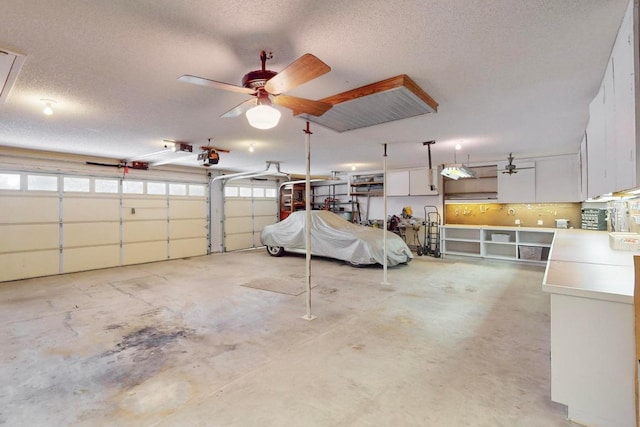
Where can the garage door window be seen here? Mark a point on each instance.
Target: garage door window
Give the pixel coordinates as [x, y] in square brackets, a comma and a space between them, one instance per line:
[231, 191]
[196, 190]
[177, 189]
[156, 188]
[106, 186]
[132, 187]
[71, 183]
[9, 181]
[245, 192]
[42, 183]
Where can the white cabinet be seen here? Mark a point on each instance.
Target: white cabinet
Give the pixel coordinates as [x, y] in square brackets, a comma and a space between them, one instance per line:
[596, 149]
[397, 183]
[410, 182]
[558, 179]
[518, 187]
[419, 184]
[611, 132]
[622, 62]
[508, 243]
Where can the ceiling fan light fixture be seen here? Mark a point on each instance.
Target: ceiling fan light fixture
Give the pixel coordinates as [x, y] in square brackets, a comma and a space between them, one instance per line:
[263, 117]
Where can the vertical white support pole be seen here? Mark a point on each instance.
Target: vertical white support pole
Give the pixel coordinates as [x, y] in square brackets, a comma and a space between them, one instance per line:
[307, 238]
[384, 227]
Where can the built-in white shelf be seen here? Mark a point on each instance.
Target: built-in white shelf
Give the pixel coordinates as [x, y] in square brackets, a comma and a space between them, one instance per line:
[507, 243]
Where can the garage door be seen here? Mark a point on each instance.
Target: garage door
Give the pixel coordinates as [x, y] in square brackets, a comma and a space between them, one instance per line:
[54, 224]
[248, 207]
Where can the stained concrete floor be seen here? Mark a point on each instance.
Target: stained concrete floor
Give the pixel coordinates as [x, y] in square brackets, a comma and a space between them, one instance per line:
[452, 342]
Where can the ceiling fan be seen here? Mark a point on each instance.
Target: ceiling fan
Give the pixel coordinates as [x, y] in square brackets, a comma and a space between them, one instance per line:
[268, 87]
[510, 168]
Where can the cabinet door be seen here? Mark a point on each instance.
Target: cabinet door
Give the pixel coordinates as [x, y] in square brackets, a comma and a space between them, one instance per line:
[518, 187]
[597, 183]
[557, 179]
[398, 183]
[419, 183]
[624, 107]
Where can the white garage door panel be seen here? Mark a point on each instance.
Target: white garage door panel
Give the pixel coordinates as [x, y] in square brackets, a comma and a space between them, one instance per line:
[188, 247]
[90, 209]
[188, 208]
[136, 253]
[91, 234]
[179, 229]
[261, 221]
[239, 241]
[234, 207]
[82, 259]
[29, 209]
[139, 209]
[237, 225]
[28, 264]
[29, 237]
[265, 207]
[141, 231]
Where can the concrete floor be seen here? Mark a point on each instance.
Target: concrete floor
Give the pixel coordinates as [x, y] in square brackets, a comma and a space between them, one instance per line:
[452, 342]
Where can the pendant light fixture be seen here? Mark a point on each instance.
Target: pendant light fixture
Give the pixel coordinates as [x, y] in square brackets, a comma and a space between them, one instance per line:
[456, 170]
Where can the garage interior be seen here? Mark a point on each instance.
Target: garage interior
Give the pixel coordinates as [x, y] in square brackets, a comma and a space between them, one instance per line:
[193, 342]
[135, 288]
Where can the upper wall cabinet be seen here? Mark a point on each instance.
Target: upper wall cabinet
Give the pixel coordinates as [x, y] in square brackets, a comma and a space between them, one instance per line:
[519, 187]
[611, 132]
[411, 182]
[545, 180]
[558, 179]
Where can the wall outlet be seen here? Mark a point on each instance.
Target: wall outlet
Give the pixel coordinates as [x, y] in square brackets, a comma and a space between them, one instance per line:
[517, 222]
[540, 222]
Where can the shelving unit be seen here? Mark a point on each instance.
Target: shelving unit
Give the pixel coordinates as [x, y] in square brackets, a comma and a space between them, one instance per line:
[460, 241]
[370, 184]
[291, 199]
[333, 196]
[508, 243]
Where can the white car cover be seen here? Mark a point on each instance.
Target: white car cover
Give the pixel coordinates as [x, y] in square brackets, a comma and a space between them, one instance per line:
[333, 236]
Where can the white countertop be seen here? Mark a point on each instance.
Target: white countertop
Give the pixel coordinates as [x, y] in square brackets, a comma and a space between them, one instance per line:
[581, 263]
[500, 227]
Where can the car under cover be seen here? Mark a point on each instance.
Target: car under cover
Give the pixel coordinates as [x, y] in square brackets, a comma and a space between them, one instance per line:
[334, 237]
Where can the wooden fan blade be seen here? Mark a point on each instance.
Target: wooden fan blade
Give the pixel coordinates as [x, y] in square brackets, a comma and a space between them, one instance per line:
[240, 108]
[302, 105]
[300, 71]
[214, 84]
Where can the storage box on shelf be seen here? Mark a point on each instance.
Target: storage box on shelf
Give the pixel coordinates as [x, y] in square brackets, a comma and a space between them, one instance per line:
[509, 243]
[499, 244]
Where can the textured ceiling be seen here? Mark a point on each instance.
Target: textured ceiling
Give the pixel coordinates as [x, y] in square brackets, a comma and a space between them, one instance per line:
[508, 75]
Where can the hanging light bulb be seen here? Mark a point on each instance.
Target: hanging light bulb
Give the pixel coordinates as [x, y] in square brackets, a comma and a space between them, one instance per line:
[48, 106]
[251, 148]
[263, 115]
